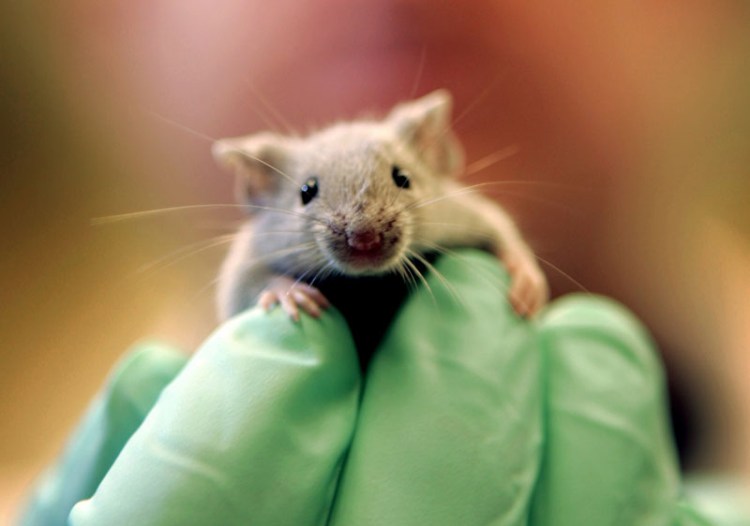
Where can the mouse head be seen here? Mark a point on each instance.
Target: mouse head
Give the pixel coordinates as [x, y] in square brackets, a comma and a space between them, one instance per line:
[352, 188]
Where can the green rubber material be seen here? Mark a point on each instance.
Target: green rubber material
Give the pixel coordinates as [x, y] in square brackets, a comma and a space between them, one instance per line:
[468, 416]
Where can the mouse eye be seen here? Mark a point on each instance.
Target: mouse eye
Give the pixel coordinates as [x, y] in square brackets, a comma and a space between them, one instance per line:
[309, 190]
[400, 177]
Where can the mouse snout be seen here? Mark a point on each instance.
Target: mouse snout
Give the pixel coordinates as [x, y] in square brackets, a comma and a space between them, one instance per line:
[364, 240]
[364, 243]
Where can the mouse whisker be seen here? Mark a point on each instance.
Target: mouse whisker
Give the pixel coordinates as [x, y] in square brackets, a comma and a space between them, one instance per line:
[186, 252]
[548, 184]
[534, 199]
[205, 288]
[440, 277]
[452, 195]
[263, 260]
[399, 269]
[211, 139]
[461, 229]
[96, 221]
[276, 232]
[222, 226]
[302, 276]
[420, 70]
[461, 116]
[473, 104]
[492, 189]
[492, 280]
[286, 250]
[415, 270]
[320, 262]
[276, 169]
[405, 276]
[467, 190]
[323, 272]
[283, 121]
[303, 215]
[562, 273]
[183, 127]
[491, 159]
[142, 214]
[233, 226]
[411, 278]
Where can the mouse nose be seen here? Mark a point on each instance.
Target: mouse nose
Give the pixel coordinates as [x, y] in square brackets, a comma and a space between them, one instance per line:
[365, 240]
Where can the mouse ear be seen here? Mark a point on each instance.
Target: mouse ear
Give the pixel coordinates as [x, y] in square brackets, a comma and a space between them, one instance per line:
[425, 124]
[257, 160]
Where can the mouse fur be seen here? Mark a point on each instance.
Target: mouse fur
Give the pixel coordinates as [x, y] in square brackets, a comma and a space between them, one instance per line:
[362, 198]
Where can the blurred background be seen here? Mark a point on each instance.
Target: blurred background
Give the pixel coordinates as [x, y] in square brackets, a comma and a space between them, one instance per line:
[631, 122]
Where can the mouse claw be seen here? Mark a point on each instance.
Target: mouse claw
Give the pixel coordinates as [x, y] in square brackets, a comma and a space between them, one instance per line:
[289, 306]
[306, 302]
[267, 300]
[293, 296]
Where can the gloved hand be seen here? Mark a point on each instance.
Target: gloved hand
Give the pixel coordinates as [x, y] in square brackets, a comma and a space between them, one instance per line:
[468, 416]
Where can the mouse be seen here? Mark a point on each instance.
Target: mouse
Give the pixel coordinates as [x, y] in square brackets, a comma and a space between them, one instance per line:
[368, 203]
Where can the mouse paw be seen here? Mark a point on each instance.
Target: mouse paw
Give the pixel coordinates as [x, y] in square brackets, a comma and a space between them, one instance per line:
[529, 291]
[293, 296]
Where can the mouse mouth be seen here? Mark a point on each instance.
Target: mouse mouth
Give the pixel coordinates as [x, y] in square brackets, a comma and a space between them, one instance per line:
[366, 258]
[365, 251]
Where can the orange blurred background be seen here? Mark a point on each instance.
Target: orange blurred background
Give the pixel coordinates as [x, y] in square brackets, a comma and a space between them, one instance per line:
[632, 122]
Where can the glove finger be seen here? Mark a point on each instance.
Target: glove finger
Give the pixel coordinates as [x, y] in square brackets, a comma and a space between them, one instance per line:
[252, 431]
[609, 457]
[449, 428]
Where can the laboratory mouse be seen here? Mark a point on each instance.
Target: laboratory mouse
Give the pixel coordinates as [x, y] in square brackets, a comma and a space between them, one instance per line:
[360, 201]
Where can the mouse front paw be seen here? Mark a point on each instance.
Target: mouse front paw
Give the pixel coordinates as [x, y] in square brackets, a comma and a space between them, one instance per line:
[529, 290]
[293, 295]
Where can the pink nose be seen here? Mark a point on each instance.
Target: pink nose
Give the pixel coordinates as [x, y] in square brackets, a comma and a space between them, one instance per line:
[365, 240]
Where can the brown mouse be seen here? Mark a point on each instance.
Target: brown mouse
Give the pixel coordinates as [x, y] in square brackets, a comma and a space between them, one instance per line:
[361, 198]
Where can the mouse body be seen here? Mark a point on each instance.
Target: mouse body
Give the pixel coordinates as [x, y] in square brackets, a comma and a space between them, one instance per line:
[358, 201]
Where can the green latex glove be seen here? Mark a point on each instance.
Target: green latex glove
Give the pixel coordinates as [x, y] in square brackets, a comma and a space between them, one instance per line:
[468, 416]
